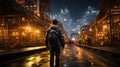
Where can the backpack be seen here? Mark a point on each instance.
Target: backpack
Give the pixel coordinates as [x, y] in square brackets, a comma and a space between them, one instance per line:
[53, 35]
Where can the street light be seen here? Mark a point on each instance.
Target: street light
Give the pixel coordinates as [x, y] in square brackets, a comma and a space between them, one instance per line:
[90, 29]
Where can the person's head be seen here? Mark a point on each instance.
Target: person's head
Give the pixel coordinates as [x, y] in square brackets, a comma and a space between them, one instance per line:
[55, 22]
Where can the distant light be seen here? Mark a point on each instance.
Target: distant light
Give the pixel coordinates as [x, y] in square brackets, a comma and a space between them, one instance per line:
[102, 34]
[87, 12]
[102, 43]
[35, 5]
[73, 39]
[92, 63]
[38, 14]
[65, 65]
[65, 20]
[79, 32]
[73, 29]
[54, 17]
[93, 11]
[61, 11]
[2, 24]
[23, 33]
[37, 31]
[105, 26]
[90, 29]
[31, 6]
[28, 28]
[98, 34]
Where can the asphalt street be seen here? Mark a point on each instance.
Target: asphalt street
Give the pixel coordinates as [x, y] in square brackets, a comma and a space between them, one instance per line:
[71, 56]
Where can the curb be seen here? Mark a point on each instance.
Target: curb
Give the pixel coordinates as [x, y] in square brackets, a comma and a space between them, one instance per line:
[5, 57]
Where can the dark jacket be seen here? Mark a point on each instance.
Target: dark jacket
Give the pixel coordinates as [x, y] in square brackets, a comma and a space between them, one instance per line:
[61, 38]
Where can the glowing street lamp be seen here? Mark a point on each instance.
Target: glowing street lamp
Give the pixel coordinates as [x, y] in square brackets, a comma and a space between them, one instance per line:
[90, 29]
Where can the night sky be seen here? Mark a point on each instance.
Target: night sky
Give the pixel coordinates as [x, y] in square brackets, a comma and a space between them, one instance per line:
[76, 7]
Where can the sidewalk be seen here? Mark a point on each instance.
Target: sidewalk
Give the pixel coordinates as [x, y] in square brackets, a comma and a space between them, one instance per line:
[12, 51]
[115, 50]
[109, 49]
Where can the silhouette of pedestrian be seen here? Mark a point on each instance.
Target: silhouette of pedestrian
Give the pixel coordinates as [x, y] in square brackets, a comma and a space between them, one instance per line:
[54, 39]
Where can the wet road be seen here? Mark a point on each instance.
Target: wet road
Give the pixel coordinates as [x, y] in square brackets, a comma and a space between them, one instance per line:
[70, 57]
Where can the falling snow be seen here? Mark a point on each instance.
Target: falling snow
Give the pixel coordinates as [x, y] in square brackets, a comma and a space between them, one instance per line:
[71, 26]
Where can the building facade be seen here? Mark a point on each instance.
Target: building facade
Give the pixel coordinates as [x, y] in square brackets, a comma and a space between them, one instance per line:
[23, 22]
[105, 30]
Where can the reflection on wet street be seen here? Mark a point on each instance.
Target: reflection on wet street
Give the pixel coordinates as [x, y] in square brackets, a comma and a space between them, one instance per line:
[37, 60]
[76, 57]
[73, 56]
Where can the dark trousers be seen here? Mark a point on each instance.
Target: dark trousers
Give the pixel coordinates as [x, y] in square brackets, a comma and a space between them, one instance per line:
[55, 51]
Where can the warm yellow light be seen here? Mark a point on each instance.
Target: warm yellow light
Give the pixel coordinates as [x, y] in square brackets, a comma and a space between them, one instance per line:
[86, 36]
[81, 36]
[37, 31]
[15, 33]
[29, 64]
[2, 24]
[28, 28]
[102, 34]
[90, 29]
[23, 19]
[98, 34]
[64, 52]
[104, 26]
[23, 33]
[38, 14]
[79, 32]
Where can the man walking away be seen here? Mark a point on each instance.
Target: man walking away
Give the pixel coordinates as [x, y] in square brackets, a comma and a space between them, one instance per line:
[54, 39]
